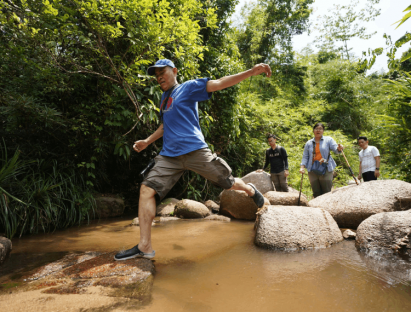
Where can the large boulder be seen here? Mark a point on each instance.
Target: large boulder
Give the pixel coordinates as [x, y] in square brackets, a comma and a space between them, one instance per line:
[350, 205]
[296, 227]
[108, 206]
[261, 180]
[5, 248]
[75, 273]
[238, 205]
[212, 206]
[166, 207]
[190, 209]
[286, 198]
[387, 231]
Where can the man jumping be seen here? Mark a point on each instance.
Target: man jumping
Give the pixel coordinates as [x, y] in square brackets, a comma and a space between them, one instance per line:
[184, 147]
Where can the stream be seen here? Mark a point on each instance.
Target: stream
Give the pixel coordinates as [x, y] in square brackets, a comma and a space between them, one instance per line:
[215, 266]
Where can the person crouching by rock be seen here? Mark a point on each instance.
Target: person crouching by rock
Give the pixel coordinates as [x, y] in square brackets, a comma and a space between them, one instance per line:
[316, 158]
[369, 160]
[276, 157]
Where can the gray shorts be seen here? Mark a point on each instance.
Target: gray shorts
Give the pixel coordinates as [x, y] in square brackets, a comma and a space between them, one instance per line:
[168, 170]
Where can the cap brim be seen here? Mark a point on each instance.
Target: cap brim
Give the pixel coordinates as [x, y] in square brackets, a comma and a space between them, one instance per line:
[151, 69]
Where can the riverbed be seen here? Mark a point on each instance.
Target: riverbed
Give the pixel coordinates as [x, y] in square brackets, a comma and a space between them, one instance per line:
[214, 266]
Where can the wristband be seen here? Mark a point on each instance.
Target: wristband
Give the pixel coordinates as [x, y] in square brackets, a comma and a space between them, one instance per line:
[377, 168]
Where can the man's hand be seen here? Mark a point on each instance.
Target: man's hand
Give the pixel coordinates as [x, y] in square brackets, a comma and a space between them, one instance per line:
[359, 177]
[261, 68]
[302, 170]
[286, 173]
[340, 147]
[377, 173]
[140, 145]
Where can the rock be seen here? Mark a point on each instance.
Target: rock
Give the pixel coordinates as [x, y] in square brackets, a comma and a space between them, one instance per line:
[212, 206]
[108, 206]
[166, 219]
[296, 227]
[137, 222]
[5, 248]
[261, 180]
[387, 231]
[166, 207]
[348, 234]
[350, 205]
[286, 198]
[190, 209]
[76, 272]
[238, 205]
[293, 190]
[218, 218]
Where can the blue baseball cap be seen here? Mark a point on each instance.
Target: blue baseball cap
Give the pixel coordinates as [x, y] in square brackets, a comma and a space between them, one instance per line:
[160, 63]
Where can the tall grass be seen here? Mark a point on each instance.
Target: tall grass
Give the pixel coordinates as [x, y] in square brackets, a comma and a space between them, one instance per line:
[40, 195]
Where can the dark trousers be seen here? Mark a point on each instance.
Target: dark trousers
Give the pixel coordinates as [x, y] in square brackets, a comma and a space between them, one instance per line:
[280, 181]
[369, 176]
[321, 184]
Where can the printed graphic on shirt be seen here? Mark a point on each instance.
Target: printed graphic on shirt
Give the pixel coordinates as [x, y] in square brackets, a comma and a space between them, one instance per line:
[275, 154]
[169, 105]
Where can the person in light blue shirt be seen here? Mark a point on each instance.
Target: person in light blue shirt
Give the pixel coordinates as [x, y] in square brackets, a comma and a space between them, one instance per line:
[184, 147]
[319, 148]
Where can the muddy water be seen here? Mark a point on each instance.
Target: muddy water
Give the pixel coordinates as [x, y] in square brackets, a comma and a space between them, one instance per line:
[214, 266]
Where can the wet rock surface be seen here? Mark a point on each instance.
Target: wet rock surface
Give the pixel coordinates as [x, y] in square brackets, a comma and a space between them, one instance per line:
[5, 248]
[136, 222]
[108, 206]
[261, 180]
[350, 205]
[238, 205]
[190, 209]
[75, 273]
[166, 207]
[296, 227]
[166, 219]
[286, 198]
[218, 218]
[212, 206]
[348, 234]
[388, 231]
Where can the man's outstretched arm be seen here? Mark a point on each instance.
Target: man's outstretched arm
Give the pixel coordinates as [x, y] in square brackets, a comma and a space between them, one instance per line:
[142, 144]
[228, 81]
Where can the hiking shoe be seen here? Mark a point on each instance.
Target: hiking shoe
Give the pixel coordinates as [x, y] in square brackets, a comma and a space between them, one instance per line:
[133, 253]
[258, 197]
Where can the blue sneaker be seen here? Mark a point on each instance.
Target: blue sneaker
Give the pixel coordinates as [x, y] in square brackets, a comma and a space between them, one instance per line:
[133, 253]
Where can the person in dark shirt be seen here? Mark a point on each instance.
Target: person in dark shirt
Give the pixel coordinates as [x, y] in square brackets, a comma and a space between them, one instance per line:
[276, 157]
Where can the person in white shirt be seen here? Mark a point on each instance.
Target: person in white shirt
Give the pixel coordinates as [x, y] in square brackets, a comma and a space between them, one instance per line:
[369, 160]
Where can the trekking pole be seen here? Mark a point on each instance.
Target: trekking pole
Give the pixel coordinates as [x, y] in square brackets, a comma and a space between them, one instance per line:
[301, 186]
[352, 173]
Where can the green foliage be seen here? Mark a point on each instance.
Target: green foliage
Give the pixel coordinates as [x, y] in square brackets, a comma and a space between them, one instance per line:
[344, 23]
[38, 195]
[73, 83]
[268, 28]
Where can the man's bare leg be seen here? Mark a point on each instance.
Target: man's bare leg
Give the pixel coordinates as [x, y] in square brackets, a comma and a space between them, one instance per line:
[251, 190]
[239, 185]
[146, 214]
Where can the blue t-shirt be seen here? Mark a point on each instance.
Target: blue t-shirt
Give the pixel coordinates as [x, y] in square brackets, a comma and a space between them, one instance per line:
[182, 132]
